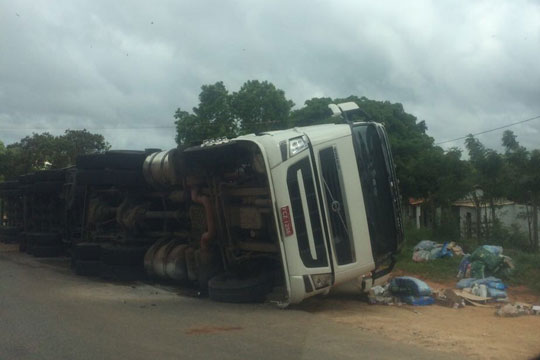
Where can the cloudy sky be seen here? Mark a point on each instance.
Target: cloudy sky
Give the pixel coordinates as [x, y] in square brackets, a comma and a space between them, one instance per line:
[115, 66]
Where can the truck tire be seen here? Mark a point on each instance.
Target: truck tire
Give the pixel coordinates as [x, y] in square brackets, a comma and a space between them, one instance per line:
[46, 251]
[27, 178]
[87, 267]
[50, 175]
[43, 238]
[9, 230]
[8, 239]
[227, 287]
[47, 187]
[22, 242]
[86, 251]
[123, 273]
[9, 185]
[123, 255]
[119, 159]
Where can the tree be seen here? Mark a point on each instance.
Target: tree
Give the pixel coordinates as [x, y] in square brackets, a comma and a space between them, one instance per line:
[490, 174]
[77, 142]
[532, 183]
[524, 171]
[260, 106]
[314, 112]
[33, 152]
[211, 119]
[257, 106]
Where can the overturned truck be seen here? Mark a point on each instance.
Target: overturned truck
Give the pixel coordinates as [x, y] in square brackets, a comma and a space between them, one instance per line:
[279, 215]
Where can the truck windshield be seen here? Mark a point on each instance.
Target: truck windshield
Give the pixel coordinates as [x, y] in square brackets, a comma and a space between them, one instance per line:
[377, 178]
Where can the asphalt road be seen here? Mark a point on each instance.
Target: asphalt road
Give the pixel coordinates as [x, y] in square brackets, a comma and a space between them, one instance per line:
[46, 312]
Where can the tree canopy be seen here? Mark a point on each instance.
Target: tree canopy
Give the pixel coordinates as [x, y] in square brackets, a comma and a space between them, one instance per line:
[257, 106]
[33, 152]
[260, 106]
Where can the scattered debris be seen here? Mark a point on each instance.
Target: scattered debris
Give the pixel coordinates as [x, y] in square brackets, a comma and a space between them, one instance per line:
[464, 270]
[479, 290]
[485, 260]
[491, 288]
[427, 250]
[418, 300]
[516, 309]
[455, 248]
[448, 298]
[408, 285]
[381, 295]
[473, 299]
[411, 291]
[400, 290]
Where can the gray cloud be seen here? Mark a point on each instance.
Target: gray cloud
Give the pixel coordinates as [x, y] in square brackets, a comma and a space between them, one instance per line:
[462, 66]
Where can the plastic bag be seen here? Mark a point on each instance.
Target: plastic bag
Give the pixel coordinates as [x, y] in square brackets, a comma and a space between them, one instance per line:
[409, 286]
[417, 300]
[491, 283]
[496, 285]
[495, 293]
[465, 283]
[487, 257]
[478, 269]
[421, 255]
[463, 266]
[445, 252]
[425, 245]
[495, 250]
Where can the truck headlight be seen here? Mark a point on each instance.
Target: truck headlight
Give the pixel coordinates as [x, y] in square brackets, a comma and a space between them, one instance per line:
[321, 280]
[298, 144]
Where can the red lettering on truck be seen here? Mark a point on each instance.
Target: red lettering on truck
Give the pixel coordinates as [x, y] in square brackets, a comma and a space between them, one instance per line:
[286, 220]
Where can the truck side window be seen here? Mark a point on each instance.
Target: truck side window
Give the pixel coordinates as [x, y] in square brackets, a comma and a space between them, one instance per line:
[332, 185]
[303, 167]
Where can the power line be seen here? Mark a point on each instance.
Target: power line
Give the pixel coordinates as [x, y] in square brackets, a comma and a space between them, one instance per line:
[110, 128]
[490, 130]
[88, 128]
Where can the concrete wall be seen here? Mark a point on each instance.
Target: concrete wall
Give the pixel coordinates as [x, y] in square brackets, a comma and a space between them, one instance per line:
[507, 214]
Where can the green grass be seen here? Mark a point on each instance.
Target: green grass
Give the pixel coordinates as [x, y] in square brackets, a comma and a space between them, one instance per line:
[439, 270]
[527, 265]
[527, 271]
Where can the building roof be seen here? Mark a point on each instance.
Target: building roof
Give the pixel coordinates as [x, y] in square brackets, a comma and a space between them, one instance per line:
[470, 203]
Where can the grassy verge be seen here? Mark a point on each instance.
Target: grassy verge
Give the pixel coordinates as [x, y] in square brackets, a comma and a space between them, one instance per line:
[527, 271]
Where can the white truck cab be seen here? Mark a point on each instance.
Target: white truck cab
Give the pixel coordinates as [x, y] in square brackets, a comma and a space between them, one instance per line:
[336, 202]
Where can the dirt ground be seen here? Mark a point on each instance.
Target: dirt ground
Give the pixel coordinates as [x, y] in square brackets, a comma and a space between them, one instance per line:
[471, 331]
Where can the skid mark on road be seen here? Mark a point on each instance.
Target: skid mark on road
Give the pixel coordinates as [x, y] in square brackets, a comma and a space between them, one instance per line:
[212, 330]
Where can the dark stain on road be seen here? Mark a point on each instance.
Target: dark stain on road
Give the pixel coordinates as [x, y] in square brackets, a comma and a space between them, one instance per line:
[211, 330]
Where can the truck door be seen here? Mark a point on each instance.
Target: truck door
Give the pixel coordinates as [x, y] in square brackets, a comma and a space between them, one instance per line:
[303, 226]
